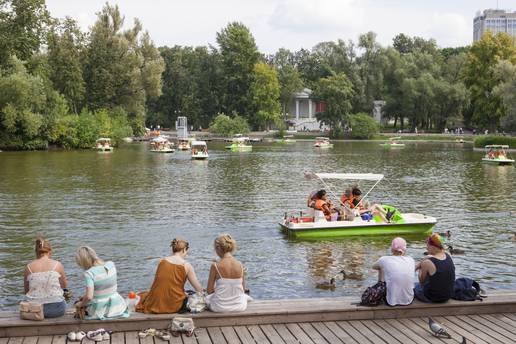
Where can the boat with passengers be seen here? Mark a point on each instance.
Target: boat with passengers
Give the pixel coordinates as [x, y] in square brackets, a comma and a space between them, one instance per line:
[183, 144]
[313, 224]
[103, 145]
[161, 144]
[497, 155]
[199, 150]
[323, 142]
[393, 143]
[240, 143]
[286, 139]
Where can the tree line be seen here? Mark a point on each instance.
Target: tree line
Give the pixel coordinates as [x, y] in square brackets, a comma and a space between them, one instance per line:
[60, 85]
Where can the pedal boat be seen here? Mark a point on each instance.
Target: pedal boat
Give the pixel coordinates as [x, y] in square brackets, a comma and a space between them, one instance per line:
[161, 145]
[323, 142]
[199, 150]
[103, 145]
[240, 143]
[313, 225]
[497, 155]
[393, 143]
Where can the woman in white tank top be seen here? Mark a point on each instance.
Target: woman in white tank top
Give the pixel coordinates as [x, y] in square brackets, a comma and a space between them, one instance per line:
[44, 281]
[226, 283]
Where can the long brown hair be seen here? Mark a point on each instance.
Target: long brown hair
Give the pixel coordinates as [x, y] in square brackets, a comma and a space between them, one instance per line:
[42, 246]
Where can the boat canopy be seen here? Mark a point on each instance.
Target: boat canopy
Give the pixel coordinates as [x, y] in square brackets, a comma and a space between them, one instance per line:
[240, 139]
[322, 138]
[350, 176]
[497, 146]
[198, 143]
[103, 139]
[160, 139]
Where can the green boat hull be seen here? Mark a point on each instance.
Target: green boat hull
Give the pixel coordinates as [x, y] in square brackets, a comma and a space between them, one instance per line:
[375, 229]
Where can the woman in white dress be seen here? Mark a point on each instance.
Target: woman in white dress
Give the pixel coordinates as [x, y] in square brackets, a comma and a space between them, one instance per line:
[226, 283]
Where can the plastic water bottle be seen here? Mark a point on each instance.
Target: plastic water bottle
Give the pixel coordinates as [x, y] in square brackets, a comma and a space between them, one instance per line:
[132, 300]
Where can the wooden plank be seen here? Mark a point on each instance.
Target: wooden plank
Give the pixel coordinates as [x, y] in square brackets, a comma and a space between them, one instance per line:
[420, 331]
[258, 335]
[4, 340]
[285, 334]
[132, 338]
[361, 327]
[146, 340]
[16, 340]
[117, 338]
[401, 337]
[457, 331]
[503, 318]
[244, 335]
[339, 332]
[230, 334]
[300, 335]
[216, 335]
[357, 336]
[414, 335]
[173, 340]
[482, 326]
[380, 331]
[484, 336]
[203, 337]
[59, 339]
[510, 316]
[496, 322]
[30, 340]
[495, 327]
[328, 335]
[272, 334]
[85, 340]
[189, 340]
[313, 333]
[45, 340]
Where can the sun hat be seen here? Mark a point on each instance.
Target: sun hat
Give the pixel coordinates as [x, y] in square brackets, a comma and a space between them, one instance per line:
[435, 240]
[399, 245]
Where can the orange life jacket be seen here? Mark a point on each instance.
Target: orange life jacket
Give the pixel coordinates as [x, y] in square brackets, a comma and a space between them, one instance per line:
[319, 205]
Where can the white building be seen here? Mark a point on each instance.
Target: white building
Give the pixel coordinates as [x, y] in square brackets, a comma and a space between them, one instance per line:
[494, 21]
[302, 110]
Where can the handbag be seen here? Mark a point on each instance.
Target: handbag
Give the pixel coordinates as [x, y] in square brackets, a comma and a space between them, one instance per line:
[31, 311]
[375, 295]
[181, 325]
[196, 303]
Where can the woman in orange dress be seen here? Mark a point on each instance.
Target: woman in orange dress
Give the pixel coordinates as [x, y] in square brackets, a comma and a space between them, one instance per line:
[167, 293]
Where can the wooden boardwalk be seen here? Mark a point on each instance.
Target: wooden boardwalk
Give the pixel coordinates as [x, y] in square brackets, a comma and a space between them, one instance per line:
[484, 328]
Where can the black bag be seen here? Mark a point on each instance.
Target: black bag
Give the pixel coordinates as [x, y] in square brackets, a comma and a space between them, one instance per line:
[466, 289]
[375, 295]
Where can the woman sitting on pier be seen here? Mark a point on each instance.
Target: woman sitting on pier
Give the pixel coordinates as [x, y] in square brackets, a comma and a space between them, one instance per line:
[436, 273]
[45, 279]
[167, 294]
[226, 284]
[101, 299]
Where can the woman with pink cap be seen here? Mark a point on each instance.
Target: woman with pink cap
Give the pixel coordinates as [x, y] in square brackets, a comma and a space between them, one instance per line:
[397, 270]
[436, 273]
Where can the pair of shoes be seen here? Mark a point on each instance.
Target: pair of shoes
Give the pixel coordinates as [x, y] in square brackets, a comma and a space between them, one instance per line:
[76, 336]
[148, 332]
[164, 335]
[98, 335]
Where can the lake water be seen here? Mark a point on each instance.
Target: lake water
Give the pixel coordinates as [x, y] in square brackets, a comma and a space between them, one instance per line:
[129, 204]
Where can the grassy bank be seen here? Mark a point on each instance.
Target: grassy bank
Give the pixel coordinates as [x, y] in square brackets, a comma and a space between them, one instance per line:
[482, 141]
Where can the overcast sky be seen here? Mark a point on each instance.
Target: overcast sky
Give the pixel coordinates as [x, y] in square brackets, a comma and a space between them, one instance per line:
[291, 24]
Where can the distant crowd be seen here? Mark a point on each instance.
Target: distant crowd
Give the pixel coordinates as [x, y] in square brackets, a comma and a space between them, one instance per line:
[45, 280]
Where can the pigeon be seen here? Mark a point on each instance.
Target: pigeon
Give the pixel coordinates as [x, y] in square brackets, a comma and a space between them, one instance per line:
[437, 330]
[463, 340]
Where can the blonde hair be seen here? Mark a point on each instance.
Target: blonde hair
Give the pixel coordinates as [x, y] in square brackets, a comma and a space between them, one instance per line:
[42, 247]
[179, 244]
[224, 244]
[86, 257]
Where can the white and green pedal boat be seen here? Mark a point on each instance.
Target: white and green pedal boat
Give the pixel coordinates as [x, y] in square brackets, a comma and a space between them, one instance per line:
[313, 225]
[497, 155]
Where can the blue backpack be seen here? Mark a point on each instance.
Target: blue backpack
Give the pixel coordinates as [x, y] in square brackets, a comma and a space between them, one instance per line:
[466, 289]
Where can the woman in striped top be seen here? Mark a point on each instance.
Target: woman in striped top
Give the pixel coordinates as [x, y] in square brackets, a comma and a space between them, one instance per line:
[101, 299]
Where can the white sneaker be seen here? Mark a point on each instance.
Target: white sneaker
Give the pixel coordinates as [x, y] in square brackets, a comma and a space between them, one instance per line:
[80, 335]
[95, 335]
[72, 336]
[105, 335]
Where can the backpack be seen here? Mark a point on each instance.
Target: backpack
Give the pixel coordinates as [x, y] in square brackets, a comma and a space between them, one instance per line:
[375, 295]
[466, 289]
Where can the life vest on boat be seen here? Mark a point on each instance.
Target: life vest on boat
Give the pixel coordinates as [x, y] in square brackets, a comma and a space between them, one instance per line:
[320, 205]
[345, 200]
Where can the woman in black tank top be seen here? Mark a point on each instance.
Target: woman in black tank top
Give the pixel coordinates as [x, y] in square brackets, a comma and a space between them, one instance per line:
[436, 274]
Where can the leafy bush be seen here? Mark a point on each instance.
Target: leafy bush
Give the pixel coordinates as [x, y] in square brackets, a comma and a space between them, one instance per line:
[484, 140]
[225, 125]
[363, 126]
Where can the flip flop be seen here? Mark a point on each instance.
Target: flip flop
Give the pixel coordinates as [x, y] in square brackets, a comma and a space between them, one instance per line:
[148, 332]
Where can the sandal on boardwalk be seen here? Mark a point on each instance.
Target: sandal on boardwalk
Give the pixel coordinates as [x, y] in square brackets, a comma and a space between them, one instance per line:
[190, 333]
[164, 335]
[148, 332]
[175, 333]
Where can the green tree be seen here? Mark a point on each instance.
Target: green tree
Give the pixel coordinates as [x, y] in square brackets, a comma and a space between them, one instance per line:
[290, 83]
[265, 92]
[23, 25]
[225, 125]
[480, 77]
[65, 45]
[337, 92]
[506, 90]
[239, 54]
[363, 126]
